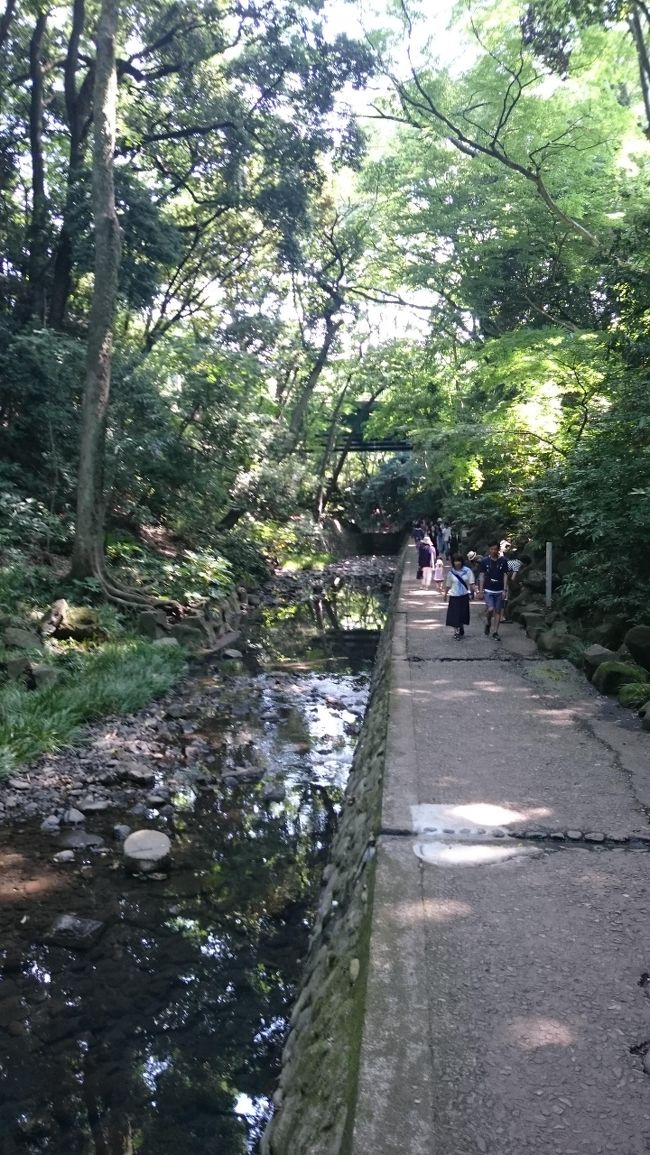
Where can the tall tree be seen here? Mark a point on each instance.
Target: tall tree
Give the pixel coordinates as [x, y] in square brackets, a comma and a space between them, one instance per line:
[88, 554]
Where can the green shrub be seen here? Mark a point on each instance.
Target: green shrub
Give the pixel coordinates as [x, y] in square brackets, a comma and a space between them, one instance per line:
[634, 694]
[24, 521]
[245, 556]
[192, 576]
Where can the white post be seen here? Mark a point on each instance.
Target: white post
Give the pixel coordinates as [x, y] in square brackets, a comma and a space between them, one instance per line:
[549, 572]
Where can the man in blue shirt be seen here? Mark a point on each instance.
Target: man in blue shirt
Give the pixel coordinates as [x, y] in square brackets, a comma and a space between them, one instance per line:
[493, 585]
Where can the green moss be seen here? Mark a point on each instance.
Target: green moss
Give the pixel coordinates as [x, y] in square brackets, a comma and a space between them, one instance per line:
[610, 676]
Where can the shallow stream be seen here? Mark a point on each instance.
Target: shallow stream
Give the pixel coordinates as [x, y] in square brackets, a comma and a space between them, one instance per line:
[163, 1036]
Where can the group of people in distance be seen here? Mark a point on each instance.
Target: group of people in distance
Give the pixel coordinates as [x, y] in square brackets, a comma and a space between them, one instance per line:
[491, 573]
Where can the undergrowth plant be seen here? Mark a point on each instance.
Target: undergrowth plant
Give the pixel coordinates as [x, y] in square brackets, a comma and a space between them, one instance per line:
[117, 679]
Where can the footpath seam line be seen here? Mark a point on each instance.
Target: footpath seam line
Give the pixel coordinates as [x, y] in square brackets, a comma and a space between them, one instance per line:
[553, 840]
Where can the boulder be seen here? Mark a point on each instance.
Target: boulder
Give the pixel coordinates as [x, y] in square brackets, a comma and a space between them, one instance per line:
[609, 633]
[51, 824]
[16, 667]
[535, 580]
[141, 776]
[146, 851]
[21, 639]
[91, 805]
[634, 694]
[594, 656]
[637, 641]
[610, 676]
[533, 621]
[189, 633]
[79, 623]
[43, 676]
[556, 642]
[51, 620]
[79, 840]
[152, 624]
[166, 641]
[64, 856]
[73, 817]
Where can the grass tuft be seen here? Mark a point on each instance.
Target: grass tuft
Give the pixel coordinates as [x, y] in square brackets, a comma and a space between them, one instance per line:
[116, 679]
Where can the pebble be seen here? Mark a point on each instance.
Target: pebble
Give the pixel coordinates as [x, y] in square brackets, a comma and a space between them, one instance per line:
[121, 831]
[51, 823]
[594, 836]
[574, 835]
[64, 856]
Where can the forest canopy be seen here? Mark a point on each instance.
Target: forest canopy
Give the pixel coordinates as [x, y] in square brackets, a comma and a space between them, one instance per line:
[326, 219]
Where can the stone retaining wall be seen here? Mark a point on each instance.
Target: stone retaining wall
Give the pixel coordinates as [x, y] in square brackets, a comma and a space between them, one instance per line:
[317, 1088]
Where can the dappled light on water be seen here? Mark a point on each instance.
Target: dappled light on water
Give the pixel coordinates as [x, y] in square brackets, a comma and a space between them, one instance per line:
[165, 1034]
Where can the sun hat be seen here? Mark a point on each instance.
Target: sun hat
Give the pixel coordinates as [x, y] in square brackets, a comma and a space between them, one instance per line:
[471, 555]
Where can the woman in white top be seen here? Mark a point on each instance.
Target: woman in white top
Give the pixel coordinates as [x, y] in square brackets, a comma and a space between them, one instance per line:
[459, 584]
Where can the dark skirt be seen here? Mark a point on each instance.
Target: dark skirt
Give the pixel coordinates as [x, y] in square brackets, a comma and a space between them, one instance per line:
[458, 611]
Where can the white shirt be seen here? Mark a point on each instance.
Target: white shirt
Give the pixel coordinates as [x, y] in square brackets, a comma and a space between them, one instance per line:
[456, 587]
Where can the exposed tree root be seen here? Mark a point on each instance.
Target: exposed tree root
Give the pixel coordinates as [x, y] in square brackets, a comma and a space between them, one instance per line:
[126, 596]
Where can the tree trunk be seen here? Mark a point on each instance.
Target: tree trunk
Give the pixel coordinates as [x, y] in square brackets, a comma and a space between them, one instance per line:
[34, 305]
[88, 553]
[636, 28]
[319, 501]
[5, 20]
[78, 103]
[300, 408]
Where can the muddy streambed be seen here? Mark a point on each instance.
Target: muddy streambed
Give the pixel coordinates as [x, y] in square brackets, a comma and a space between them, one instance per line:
[162, 1031]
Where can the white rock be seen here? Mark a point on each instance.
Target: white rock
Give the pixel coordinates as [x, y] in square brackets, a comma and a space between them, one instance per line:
[64, 856]
[146, 850]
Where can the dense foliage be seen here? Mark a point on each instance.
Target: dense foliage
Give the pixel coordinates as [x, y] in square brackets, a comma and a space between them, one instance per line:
[463, 267]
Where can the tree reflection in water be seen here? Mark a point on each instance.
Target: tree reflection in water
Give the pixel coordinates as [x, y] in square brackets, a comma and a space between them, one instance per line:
[166, 1036]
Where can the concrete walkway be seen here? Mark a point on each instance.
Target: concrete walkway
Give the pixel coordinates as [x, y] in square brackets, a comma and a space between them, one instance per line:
[508, 1007]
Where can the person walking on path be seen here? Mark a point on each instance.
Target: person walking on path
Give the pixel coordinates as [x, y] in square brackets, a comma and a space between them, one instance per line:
[439, 574]
[515, 564]
[493, 584]
[459, 586]
[426, 559]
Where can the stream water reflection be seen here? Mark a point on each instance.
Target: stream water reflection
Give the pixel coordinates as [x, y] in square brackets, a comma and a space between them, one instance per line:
[165, 1035]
